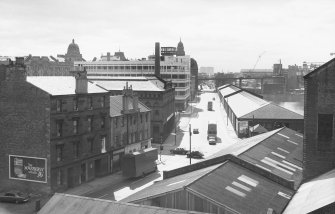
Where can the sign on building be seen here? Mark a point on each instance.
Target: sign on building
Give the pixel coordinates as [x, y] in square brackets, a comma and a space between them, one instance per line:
[28, 168]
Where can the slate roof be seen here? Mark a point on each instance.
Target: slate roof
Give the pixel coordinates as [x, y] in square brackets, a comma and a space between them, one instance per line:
[116, 105]
[137, 83]
[272, 111]
[71, 204]
[241, 190]
[169, 185]
[313, 195]
[61, 85]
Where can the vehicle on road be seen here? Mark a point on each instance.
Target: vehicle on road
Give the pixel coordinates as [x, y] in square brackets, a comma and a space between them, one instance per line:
[14, 197]
[211, 130]
[139, 163]
[212, 141]
[213, 98]
[210, 106]
[179, 151]
[195, 154]
[195, 131]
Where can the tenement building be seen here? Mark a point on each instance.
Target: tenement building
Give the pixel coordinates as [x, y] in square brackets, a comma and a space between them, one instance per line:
[154, 92]
[130, 126]
[54, 130]
[319, 140]
[169, 66]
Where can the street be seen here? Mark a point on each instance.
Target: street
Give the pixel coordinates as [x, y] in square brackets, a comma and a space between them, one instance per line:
[198, 116]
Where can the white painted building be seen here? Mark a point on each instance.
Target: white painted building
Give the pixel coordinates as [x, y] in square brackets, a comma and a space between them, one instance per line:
[172, 68]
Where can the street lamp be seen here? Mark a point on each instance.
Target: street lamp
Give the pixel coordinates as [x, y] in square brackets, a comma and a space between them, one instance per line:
[190, 143]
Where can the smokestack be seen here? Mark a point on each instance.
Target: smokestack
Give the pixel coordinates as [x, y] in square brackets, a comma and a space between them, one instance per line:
[157, 59]
[108, 56]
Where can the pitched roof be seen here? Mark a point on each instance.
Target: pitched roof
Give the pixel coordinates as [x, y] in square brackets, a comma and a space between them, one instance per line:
[61, 85]
[228, 89]
[116, 105]
[241, 190]
[169, 185]
[319, 68]
[313, 195]
[258, 129]
[272, 111]
[71, 204]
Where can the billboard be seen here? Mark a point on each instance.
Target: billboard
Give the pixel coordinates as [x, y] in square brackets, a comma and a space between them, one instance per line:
[28, 168]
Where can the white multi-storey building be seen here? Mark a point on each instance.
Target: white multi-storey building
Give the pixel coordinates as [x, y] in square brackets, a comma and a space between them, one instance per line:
[172, 68]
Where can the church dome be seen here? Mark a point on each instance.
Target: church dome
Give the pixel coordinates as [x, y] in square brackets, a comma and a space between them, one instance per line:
[73, 49]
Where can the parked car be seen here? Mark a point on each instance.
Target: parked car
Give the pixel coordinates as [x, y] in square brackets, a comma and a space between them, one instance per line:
[179, 151]
[195, 154]
[14, 197]
[195, 131]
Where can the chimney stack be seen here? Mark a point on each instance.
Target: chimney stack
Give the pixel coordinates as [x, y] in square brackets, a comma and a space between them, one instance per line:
[157, 59]
[81, 80]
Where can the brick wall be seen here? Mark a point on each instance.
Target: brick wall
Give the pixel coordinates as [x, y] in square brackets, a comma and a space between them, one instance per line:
[24, 130]
[319, 98]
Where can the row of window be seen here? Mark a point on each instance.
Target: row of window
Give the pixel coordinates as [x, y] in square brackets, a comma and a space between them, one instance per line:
[59, 103]
[120, 121]
[75, 125]
[77, 148]
[138, 67]
[121, 139]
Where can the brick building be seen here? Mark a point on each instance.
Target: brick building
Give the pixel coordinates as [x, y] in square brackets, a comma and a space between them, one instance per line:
[54, 130]
[154, 92]
[130, 126]
[319, 140]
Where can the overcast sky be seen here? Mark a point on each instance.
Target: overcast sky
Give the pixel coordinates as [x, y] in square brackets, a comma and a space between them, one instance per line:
[228, 35]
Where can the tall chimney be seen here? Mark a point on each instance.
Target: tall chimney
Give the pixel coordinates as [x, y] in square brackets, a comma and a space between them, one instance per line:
[81, 81]
[157, 59]
[108, 56]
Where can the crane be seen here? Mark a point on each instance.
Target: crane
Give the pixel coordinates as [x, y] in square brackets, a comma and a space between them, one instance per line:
[259, 57]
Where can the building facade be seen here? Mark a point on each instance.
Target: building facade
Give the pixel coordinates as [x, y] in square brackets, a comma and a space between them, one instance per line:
[172, 68]
[319, 140]
[154, 92]
[130, 126]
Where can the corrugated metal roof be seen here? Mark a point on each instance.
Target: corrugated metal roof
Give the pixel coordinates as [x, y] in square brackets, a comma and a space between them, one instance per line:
[313, 195]
[228, 90]
[169, 185]
[60, 85]
[272, 111]
[116, 105]
[243, 103]
[143, 85]
[280, 153]
[242, 190]
[71, 204]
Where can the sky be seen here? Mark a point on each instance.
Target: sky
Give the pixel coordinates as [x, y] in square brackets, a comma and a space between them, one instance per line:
[227, 35]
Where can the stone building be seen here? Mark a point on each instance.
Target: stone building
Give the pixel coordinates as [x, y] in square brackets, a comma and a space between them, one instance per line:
[130, 126]
[319, 140]
[54, 131]
[154, 92]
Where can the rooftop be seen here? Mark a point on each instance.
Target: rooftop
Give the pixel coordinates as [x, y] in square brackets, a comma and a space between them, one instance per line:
[116, 105]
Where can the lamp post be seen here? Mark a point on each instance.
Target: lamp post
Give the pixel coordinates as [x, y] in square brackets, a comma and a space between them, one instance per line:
[190, 143]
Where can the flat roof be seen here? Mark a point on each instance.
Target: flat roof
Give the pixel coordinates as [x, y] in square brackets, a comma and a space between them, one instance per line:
[144, 85]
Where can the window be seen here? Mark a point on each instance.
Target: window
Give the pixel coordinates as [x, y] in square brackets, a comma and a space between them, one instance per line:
[156, 112]
[91, 145]
[59, 152]
[122, 121]
[58, 105]
[90, 103]
[75, 104]
[75, 122]
[60, 177]
[115, 122]
[325, 131]
[141, 118]
[146, 117]
[76, 149]
[135, 119]
[90, 123]
[103, 144]
[102, 124]
[59, 128]
[130, 120]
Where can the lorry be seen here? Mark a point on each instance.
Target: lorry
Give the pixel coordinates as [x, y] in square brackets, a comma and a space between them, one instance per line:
[211, 132]
[210, 106]
[139, 163]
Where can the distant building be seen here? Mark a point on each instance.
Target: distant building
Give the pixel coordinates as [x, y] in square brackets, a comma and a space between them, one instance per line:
[176, 69]
[206, 71]
[319, 152]
[194, 78]
[255, 73]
